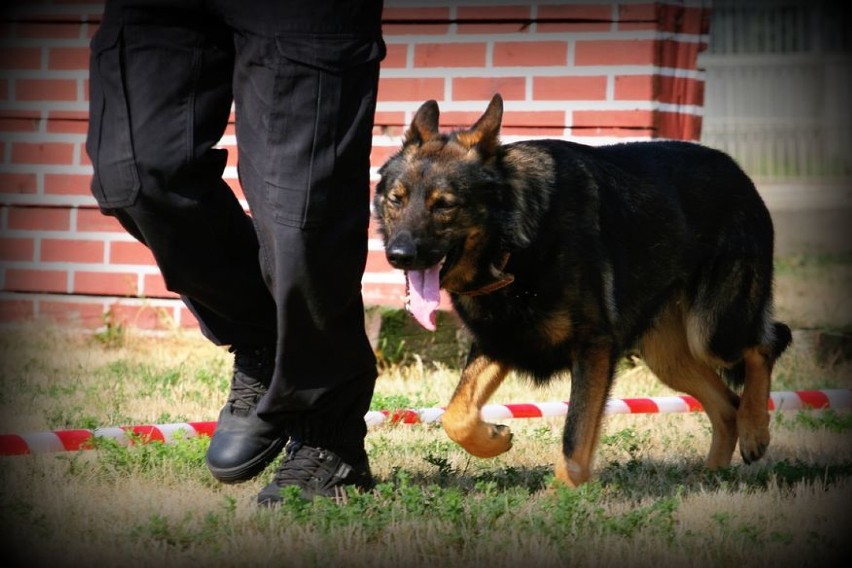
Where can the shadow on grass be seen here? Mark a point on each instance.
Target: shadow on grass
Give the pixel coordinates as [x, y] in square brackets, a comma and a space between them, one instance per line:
[636, 479]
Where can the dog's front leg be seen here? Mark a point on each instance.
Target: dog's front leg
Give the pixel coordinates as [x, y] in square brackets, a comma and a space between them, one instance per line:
[462, 421]
[591, 377]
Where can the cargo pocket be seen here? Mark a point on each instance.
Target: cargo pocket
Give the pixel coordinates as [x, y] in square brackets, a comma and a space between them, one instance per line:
[115, 183]
[303, 188]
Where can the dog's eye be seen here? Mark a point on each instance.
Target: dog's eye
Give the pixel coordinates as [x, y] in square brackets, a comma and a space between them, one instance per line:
[393, 199]
[443, 205]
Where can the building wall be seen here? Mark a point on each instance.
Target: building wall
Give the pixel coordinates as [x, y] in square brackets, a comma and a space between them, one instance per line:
[594, 72]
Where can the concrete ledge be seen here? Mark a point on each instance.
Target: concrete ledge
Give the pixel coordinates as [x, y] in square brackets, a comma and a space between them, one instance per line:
[810, 216]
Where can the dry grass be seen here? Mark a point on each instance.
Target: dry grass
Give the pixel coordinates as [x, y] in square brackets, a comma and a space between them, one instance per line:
[651, 502]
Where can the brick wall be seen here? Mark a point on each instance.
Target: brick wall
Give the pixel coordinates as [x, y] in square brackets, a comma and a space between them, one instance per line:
[594, 72]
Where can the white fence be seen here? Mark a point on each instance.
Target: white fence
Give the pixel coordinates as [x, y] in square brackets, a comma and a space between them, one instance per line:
[779, 86]
[781, 115]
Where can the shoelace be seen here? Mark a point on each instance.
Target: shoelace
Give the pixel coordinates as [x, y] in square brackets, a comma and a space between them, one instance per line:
[300, 467]
[246, 390]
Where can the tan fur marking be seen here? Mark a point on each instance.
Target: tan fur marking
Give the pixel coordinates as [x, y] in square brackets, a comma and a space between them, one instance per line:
[753, 416]
[556, 329]
[667, 353]
[462, 420]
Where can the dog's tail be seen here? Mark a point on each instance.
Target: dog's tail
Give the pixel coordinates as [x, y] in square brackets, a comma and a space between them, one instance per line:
[781, 339]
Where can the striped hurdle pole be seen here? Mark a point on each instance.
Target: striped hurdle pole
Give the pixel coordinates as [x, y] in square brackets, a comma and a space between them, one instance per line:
[74, 440]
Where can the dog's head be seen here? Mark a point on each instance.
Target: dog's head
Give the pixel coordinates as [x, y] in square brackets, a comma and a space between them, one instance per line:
[437, 201]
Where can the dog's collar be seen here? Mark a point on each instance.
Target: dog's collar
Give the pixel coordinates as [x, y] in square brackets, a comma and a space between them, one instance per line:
[501, 279]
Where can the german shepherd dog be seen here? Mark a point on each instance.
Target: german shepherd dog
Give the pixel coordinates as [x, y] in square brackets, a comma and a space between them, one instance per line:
[561, 257]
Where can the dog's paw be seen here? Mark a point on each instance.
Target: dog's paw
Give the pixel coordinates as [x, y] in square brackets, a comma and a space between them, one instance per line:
[753, 445]
[753, 431]
[489, 440]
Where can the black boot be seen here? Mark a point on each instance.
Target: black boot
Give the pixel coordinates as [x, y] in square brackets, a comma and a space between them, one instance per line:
[317, 473]
[243, 444]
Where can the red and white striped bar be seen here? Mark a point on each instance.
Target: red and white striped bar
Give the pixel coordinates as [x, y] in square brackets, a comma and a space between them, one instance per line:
[74, 440]
[780, 400]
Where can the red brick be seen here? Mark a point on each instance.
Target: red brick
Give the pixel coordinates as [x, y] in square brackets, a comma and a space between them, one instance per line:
[449, 55]
[636, 87]
[614, 132]
[414, 29]
[39, 219]
[155, 287]
[617, 118]
[46, 90]
[547, 14]
[85, 314]
[638, 13]
[67, 184]
[413, 89]
[72, 250]
[63, 30]
[33, 280]
[20, 58]
[16, 310]
[95, 221]
[575, 11]
[4, 90]
[24, 122]
[517, 19]
[679, 54]
[53, 153]
[682, 19]
[493, 29]
[17, 183]
[414, 21]
[187, 319]
[615, 52]
[17, 250]
[679, 126]
[105, 283]
[380, 154]
[397, 56]
[389, 118]
[415, 14]
[569, 88]
[667, 89]
[68, 58]
[67, 123]
[545, 119]
[483, 88]
[530, 53]
[681, 90]
[130, 252]
[84, 155]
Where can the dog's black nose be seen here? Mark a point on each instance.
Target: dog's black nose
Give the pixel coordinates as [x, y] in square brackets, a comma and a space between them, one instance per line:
[401, 250]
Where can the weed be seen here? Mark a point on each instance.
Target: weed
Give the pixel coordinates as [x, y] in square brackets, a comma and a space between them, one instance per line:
[112, 334]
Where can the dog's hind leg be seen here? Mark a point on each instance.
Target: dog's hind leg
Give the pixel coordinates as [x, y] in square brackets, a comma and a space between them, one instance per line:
[462, 421]
[753, 416]
[591, 378]
[666, 351]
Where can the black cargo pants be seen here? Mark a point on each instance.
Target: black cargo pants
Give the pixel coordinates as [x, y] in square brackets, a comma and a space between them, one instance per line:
[303, 77]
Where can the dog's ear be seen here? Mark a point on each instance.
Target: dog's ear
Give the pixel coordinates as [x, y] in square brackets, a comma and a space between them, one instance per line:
[484, 135]
[424, 125]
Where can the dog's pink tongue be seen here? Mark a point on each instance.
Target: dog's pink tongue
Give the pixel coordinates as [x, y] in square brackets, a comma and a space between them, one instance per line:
[424, 295]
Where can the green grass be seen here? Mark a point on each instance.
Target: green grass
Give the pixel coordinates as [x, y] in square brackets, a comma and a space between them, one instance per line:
[650, 503]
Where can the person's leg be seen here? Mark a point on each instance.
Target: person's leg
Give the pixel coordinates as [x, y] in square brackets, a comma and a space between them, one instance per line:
[161, 93]
[304, 112]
